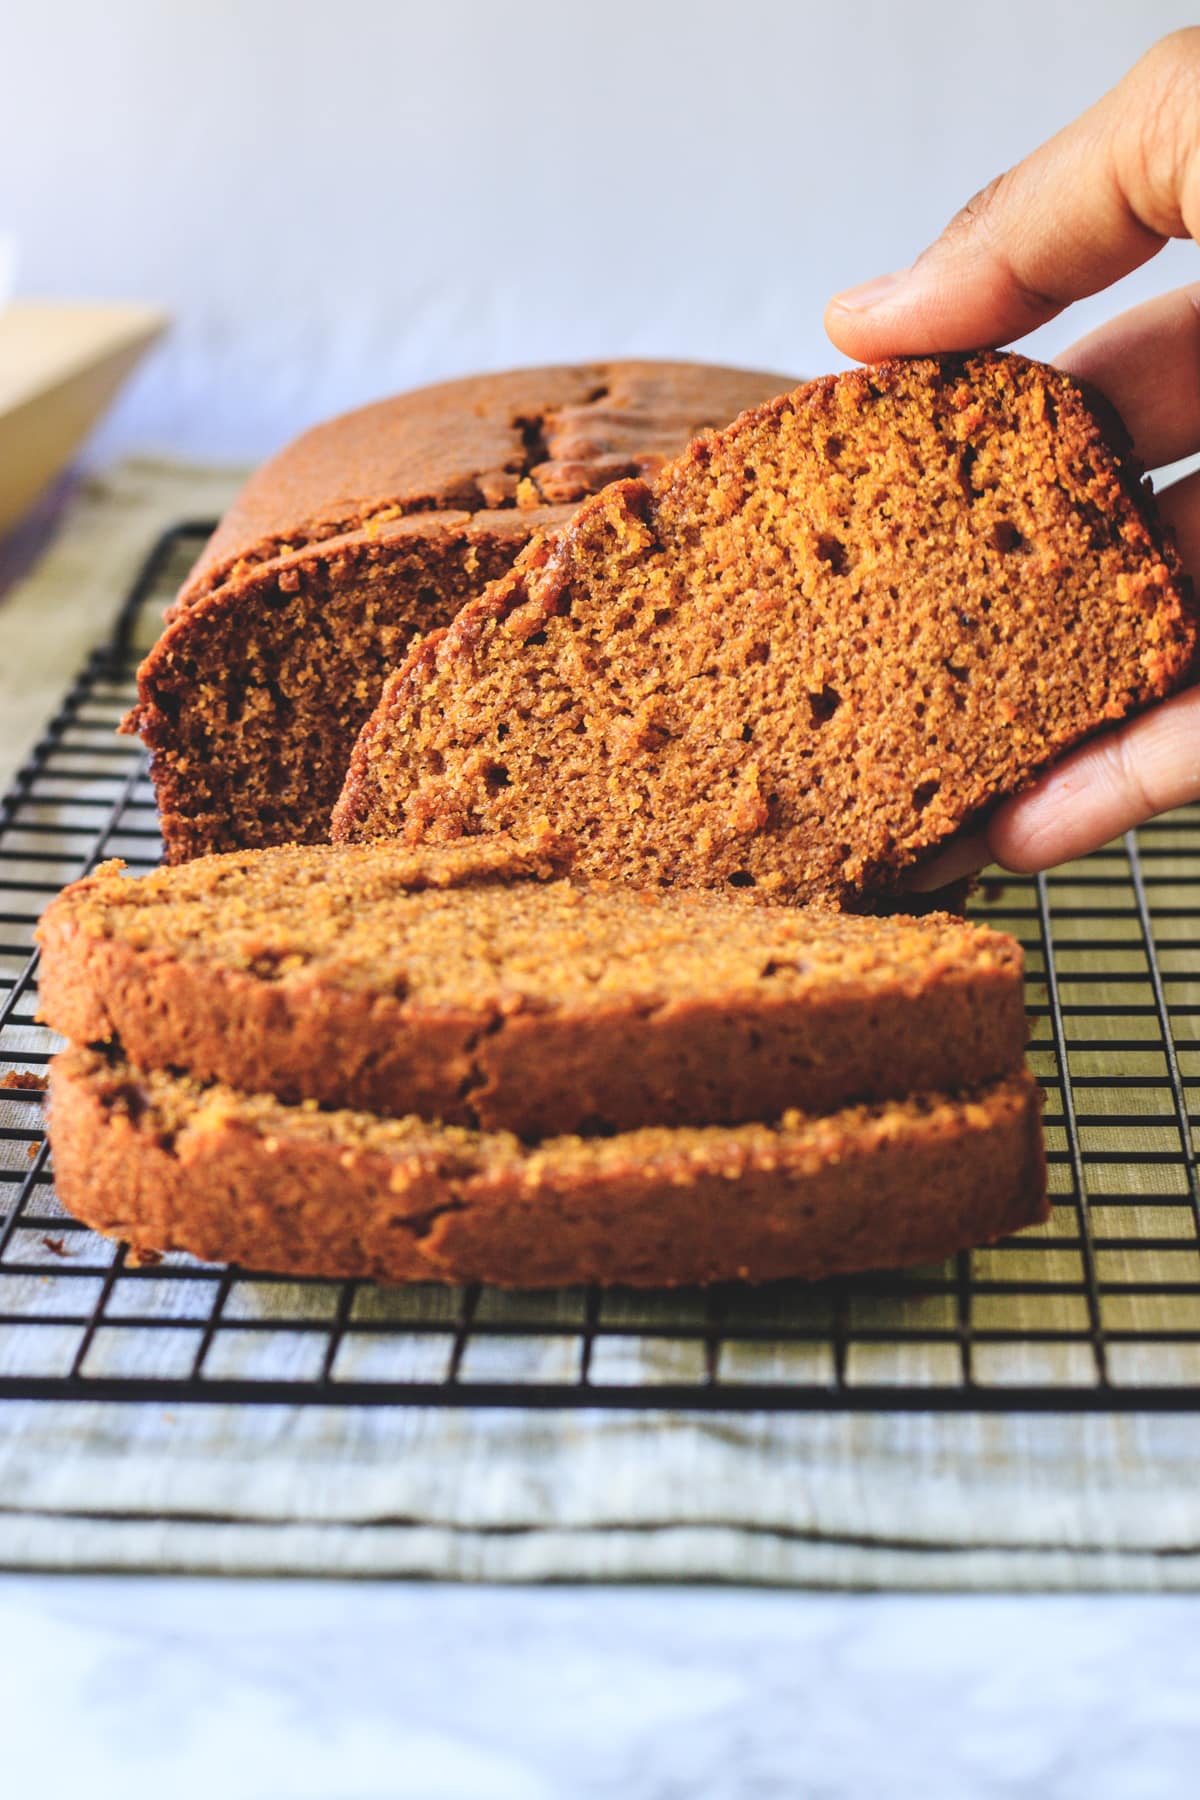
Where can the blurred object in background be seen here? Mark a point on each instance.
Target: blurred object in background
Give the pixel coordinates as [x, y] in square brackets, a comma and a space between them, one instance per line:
[61, 363]
[340, 203]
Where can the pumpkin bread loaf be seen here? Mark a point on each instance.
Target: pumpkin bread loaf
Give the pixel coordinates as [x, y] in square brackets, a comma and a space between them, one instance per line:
[462, 984]
[168, 1164]
[807, 650]
[363, 532]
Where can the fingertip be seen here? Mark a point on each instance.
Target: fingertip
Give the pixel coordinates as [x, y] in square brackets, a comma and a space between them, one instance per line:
[1061, 816]
[842, 329]
[962, 856]
[859, 321]
[1026, 845]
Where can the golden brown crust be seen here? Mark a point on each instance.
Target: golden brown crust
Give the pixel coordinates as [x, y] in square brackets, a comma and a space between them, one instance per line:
[368, 529]
[812, 647]
[164, 1164]
[461, 983]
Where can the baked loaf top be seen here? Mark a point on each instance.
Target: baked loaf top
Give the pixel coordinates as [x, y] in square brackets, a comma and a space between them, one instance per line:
[524, 439]
[169, 1164]
[465, 983]
[813, 646]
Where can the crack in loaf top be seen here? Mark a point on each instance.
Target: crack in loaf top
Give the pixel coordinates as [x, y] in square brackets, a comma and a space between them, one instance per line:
[524, 439]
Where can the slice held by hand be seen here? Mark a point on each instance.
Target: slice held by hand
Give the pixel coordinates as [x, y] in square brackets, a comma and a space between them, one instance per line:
[810, 649]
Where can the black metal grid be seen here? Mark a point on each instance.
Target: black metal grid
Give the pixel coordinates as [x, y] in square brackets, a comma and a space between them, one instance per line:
[1099, 1310]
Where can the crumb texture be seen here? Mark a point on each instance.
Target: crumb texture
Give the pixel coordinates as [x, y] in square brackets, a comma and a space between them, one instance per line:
[806, 651]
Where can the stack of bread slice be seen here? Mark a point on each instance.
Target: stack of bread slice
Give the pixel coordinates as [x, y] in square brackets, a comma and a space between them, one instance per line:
[457, 1063]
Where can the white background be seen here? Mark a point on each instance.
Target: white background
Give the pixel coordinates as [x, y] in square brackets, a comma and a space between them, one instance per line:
[339, 200]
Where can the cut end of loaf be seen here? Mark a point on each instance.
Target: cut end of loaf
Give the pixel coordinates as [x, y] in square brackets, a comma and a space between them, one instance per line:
[365, 532]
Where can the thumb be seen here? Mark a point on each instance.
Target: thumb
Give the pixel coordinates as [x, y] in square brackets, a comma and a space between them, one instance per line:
[1093, 203]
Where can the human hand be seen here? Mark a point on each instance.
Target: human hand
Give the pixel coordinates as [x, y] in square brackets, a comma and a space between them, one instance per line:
[1096, 201]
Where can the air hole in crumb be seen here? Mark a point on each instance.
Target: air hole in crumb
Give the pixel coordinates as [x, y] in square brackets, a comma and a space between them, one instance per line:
[824, 704]
[280, 702]
[750, 473]
[966, 621]
[833, 448]
[759, 652]
[536, 637]
[663, 615]
[956, 673]
[741, 878]
[831, 550]
[501, 731]
[966, 463]
[1006, 537]
[132, 1100]
[496, 777]
[923, 794]
[747, 734]
[593, 1125]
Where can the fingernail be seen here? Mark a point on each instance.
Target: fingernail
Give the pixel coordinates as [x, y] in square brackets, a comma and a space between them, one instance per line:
[872, 293]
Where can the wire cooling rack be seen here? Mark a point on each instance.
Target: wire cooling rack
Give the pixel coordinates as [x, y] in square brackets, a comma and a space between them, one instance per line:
[1097, 1310]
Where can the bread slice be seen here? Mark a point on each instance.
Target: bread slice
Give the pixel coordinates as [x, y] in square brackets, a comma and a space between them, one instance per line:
[808, 650]
[365, 530]
[463, 983]
[168, 1164]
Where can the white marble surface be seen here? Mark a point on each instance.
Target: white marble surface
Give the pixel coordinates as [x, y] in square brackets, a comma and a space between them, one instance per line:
[206, 1690]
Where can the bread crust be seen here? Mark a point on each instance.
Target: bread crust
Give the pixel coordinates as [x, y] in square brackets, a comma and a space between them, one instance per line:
[466, 446]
